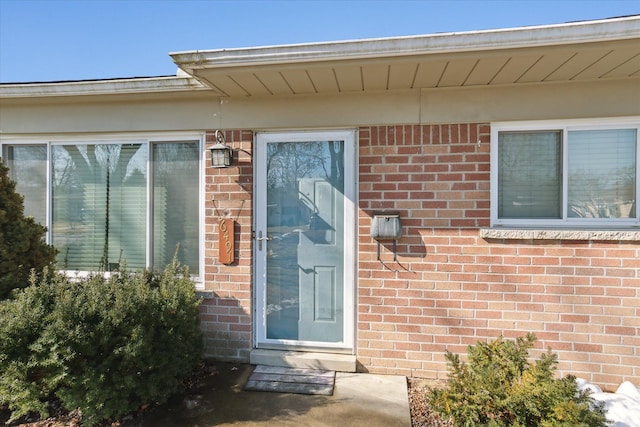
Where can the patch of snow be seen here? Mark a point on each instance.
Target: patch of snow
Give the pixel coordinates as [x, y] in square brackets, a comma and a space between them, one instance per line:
[623, 406]
[586, 385]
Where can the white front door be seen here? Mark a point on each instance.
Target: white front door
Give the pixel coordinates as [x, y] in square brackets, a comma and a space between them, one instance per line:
[305, 228]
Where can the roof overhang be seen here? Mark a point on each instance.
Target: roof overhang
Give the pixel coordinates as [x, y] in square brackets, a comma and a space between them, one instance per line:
[581, 51]
[141, 85]
[575, 51]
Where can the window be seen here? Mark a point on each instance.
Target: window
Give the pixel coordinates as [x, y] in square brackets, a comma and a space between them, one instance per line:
[529, 174]
[28, 168]
[116, 201]
[554, 174]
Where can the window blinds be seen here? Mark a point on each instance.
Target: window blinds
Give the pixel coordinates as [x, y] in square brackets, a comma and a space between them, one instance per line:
[529, 177]
[99, 205]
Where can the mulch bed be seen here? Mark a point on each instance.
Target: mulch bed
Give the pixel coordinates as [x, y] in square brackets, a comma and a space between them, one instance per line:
[421, 413]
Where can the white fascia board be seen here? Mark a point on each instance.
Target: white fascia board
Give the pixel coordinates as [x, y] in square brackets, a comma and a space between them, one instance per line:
[100, 87]
[547, 35]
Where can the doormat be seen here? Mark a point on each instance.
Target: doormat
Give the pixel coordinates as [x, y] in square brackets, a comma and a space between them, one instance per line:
[291, 380]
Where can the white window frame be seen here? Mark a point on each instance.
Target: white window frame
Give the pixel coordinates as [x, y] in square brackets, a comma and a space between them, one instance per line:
[564, 127]
[144, 138]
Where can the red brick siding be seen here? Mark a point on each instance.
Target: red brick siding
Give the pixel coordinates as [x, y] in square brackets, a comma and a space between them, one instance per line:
[450, 288]
[226, 310]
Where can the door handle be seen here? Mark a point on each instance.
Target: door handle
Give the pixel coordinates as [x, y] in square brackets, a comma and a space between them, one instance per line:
[260, 239]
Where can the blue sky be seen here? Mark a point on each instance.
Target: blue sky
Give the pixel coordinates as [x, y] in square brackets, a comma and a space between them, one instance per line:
[51, 40]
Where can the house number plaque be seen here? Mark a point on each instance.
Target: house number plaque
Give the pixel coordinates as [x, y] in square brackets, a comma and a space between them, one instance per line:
[226, 242]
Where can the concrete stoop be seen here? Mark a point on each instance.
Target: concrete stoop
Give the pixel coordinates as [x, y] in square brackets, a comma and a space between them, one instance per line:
[358, 400]
[304, 360]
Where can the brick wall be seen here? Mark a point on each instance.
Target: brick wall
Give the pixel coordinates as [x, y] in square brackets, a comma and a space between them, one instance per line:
[450, 288]
[226, 309]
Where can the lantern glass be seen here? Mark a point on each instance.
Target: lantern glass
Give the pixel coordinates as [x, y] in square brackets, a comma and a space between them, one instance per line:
[221, 156]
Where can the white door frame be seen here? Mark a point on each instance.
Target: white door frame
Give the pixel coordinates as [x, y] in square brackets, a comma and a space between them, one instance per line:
[260, 226]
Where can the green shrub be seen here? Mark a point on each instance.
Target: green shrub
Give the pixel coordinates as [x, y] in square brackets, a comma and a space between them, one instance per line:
[499, 387]
[22, 247]
[106, 346]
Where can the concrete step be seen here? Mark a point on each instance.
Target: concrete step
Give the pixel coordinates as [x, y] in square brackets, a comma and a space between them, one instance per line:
[299, 359]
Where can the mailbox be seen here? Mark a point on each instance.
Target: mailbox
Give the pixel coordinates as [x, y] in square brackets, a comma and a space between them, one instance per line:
[386, 227]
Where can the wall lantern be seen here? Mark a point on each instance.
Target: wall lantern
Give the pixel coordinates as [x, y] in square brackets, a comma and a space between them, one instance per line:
[221, 153]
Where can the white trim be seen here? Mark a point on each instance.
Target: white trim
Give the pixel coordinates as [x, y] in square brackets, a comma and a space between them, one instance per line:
[101, 87]
[260, 223]
[564, 126]
[350, 214]
[150, 211]
[200, 277]
[508, 38]
[7, 138]
[48, 193]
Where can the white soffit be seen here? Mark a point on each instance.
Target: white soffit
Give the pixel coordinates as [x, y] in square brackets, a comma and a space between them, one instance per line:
[576, 51]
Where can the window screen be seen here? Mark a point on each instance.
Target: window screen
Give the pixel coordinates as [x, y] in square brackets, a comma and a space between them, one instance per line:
[175, 204]
[28, 169]
[602, 171]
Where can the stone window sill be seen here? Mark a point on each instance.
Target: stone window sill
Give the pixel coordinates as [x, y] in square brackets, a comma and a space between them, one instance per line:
[587, 235]
[205, 294]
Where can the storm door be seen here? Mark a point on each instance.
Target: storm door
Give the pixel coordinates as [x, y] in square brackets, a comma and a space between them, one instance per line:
[304, 235]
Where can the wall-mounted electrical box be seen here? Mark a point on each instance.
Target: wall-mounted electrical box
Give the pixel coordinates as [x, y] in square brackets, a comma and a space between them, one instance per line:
[386, 226]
